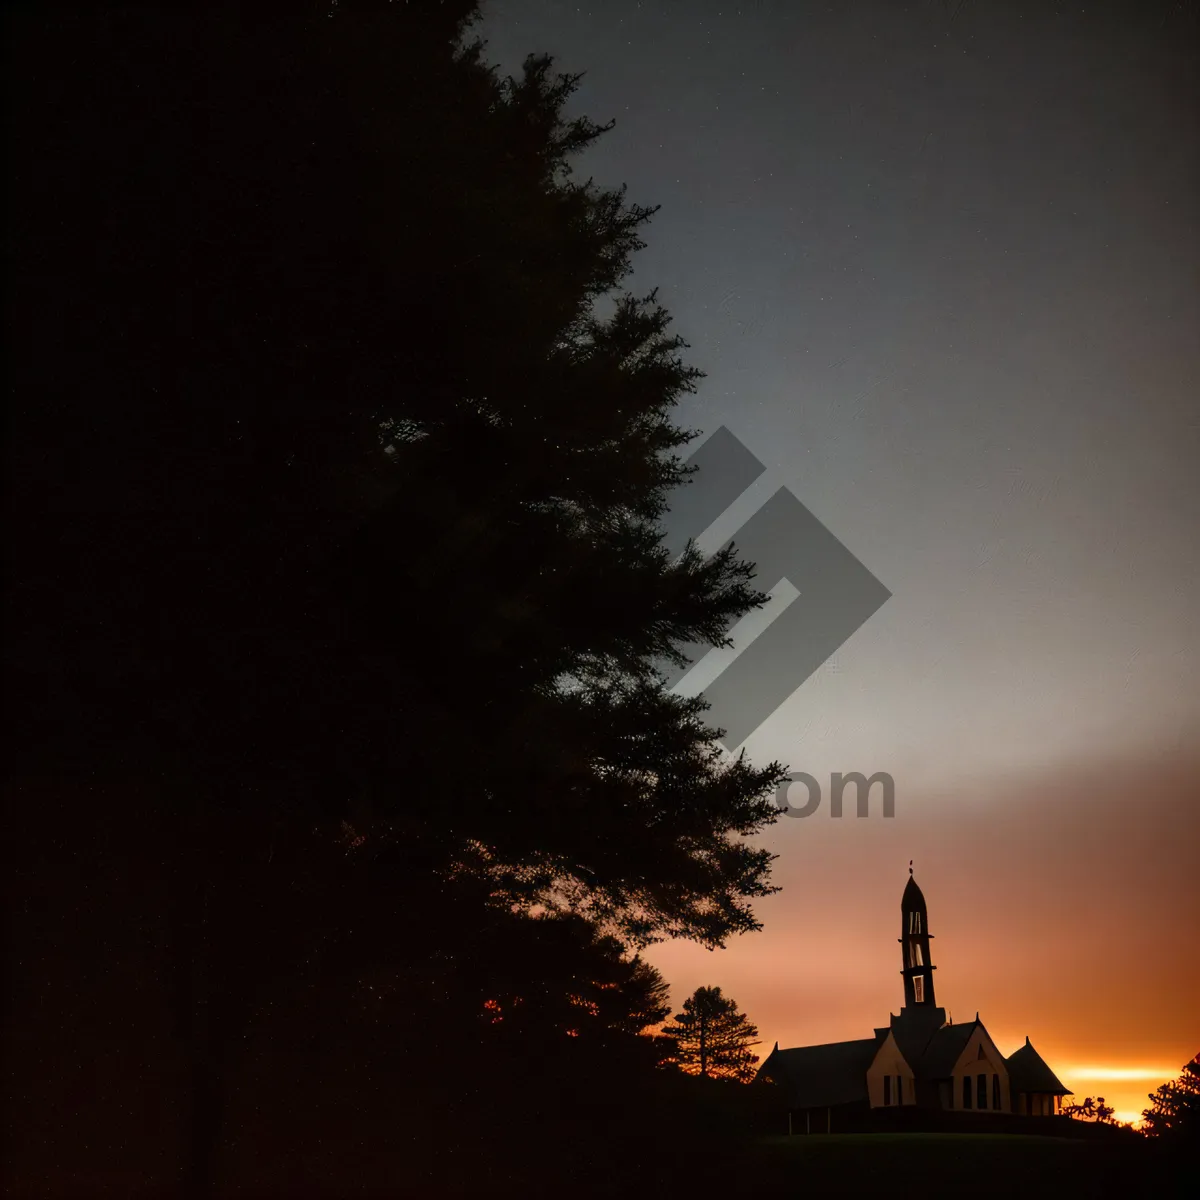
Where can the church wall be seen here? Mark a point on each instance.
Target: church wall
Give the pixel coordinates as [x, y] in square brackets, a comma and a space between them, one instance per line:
[970, 1066]
[890, 1062]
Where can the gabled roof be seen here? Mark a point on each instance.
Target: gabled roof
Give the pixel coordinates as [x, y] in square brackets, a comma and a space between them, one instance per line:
[1028, 1072]
[943, 1050]
[822, 1076]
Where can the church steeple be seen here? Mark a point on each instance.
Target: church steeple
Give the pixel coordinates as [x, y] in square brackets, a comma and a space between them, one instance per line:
[914, 941]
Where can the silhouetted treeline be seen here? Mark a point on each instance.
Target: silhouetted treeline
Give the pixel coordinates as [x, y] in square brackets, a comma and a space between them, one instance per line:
[333, 594]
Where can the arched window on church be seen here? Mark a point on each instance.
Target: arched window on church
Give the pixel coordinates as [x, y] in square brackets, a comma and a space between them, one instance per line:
[996, 1092]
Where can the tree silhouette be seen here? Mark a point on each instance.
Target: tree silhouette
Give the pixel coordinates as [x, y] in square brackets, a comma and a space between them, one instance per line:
[713, 1038]
[1090, 1109]
[339, 521]
[333, 506]
[1174, 1112]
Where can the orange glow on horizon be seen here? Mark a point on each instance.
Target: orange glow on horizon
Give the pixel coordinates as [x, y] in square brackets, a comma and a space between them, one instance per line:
[1161, 1074]
[1128, 1117]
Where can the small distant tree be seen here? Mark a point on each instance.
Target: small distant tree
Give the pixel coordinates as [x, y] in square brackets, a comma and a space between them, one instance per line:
[1174, 1112]
[713, 1038]
[1091, 1110]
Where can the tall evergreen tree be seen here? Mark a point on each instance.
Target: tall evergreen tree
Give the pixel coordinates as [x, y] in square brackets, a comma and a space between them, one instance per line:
[333, 499]
[713, 1037]
[326, 462]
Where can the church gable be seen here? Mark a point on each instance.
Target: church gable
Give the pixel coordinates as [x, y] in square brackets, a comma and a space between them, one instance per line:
[980, 1075]
[980, 1052]
[890, 1079]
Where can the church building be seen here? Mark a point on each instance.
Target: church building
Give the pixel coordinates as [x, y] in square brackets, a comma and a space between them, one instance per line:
[919, 1059]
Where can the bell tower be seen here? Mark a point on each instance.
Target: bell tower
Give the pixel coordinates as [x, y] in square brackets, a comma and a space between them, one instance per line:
[914, 942]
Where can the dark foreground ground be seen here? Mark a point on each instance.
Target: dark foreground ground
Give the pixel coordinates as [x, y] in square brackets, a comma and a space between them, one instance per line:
[883, 1165]
[971, 1167]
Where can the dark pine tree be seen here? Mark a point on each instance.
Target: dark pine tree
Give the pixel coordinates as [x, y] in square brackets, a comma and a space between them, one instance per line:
[333, 505]
[713, 1037]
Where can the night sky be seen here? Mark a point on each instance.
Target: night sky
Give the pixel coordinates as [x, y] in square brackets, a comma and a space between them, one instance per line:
[939, 261]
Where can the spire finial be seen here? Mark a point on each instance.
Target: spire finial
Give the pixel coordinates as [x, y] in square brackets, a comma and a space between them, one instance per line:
[910, 866]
